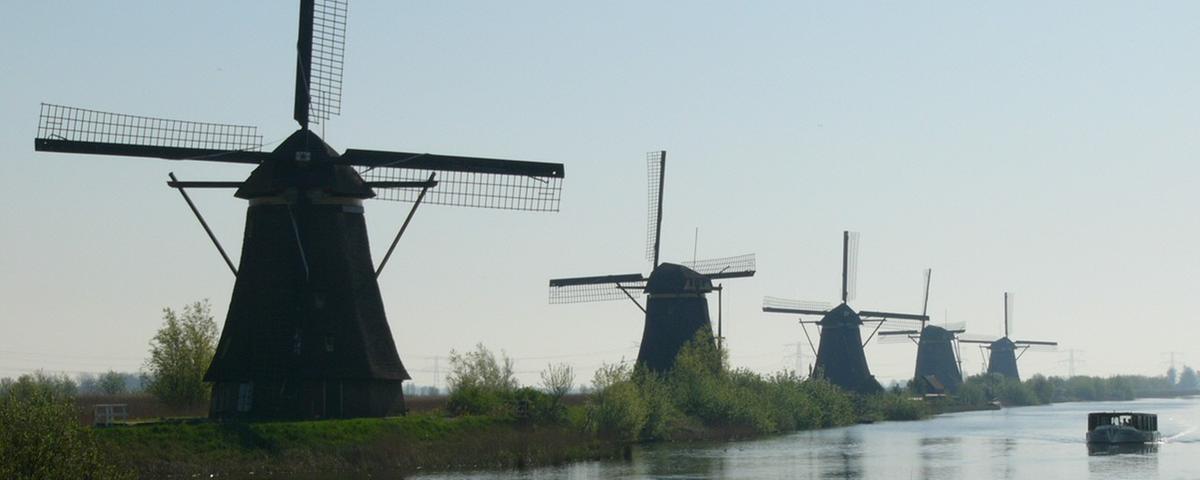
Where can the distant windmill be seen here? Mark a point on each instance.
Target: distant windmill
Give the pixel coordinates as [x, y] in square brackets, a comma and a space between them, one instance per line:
[840, 357]
[1005, 351]
[676, 309]
[937, 369]
[306, 335]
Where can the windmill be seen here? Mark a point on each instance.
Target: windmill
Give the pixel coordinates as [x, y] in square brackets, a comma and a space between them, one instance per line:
[937, 370]
[1004, 352]
[306, 335]
[840, 357]
[676, 308]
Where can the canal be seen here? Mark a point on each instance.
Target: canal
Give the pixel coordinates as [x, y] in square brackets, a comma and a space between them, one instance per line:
[1043, 442]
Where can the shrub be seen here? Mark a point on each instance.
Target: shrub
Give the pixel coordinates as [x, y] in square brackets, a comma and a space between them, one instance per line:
[477, 400]
[536, 407]
[618, 411]
[40, 434]
[891, 406]
[481, 369]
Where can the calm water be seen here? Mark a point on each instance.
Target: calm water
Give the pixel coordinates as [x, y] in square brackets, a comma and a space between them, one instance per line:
[1030, 442]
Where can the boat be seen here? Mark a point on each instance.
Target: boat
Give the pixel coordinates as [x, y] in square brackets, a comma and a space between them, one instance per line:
[1122, 428]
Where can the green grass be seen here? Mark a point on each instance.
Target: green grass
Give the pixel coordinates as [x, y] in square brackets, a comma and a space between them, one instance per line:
[386, 445]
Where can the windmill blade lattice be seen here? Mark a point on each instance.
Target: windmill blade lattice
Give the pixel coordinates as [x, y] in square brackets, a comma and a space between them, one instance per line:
[893, 338]
[955, 326]
[974, 338]
[1038, 346]
[328, 59]
[469, 188]
[596, 289]
[727, 267]
[851, 272]
[656, 163]
[80, 130]
[925, 301]
[799, 306]
[1008, 313]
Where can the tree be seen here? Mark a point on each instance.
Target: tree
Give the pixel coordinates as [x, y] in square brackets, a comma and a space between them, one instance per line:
[558, 379]
[1188, 379]
[179, 354]
[111, 383]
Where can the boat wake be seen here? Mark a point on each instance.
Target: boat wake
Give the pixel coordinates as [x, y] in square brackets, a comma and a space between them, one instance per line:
[1176, 438]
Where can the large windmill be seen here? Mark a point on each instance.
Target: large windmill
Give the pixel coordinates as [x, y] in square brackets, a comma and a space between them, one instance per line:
[840, 357]
[937, 369]
[1004, 352]
[676, 308]
[306, 335]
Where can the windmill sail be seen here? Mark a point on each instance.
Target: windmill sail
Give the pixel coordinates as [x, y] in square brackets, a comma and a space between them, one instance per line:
[79, 130]
[925, 300]
[320, 54]
[727, 267]
[800, 307]
[1008, 313]
[596, 289]
[464, 181]
[849, 266]
[656, 164]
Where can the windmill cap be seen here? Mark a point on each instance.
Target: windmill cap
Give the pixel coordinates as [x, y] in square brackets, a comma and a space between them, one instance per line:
[674, 278]
[304, 161]
[935, 333]
[841, 315]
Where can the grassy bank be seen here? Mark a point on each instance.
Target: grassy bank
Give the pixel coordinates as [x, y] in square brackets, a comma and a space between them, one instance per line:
[395, 445]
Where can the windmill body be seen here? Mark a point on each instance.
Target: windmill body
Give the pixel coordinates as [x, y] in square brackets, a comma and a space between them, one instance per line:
[676, 309]
[937, 364]
[841, 358]
[1002, 358]
[937, 370]
[306, 335]
[676, 312]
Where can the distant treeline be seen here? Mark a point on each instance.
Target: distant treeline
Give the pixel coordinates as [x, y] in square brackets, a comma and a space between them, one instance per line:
[1039, 389]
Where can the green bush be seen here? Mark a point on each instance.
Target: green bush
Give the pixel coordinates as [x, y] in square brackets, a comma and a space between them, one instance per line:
[892, 406]
[700, 392]
[478, 400]
[40, 433]
[618, 411]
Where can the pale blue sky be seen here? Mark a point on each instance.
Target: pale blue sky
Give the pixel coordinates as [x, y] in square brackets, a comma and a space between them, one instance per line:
[1041, 148]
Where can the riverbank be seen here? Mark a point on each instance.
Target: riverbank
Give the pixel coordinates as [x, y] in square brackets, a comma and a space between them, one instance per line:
[395, 445]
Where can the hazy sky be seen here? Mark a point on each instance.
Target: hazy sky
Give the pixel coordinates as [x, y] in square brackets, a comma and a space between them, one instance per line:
[1044, 148]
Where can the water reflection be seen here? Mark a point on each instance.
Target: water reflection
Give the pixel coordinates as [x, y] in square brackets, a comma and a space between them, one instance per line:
[1101, 449]
[1002, 452]
[938, 455]
[1123, 461]
[703, 461]
[843, 459]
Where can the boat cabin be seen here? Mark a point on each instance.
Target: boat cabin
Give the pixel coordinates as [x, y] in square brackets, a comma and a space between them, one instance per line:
[1146, 422]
